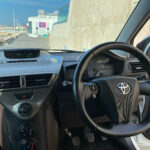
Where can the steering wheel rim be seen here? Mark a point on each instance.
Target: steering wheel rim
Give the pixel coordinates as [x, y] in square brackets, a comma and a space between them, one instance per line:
[122, 130]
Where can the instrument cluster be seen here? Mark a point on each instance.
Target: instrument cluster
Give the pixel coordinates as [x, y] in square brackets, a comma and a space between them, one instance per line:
[99, 67]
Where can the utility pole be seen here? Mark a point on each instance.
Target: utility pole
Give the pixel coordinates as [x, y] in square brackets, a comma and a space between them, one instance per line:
[14, 19]
[17, 23]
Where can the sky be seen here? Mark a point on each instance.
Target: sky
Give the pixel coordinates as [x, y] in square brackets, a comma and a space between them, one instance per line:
[26, 8]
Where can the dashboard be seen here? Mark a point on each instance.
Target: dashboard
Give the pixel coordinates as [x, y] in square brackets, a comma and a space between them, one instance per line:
[36, 86]
[37, 73]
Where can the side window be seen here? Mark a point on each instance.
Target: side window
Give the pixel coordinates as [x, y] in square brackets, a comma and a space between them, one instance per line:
[142, 39]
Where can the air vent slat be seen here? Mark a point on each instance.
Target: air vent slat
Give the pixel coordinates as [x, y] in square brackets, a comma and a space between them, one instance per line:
[37, 80]
[9, 82]
[137, 67]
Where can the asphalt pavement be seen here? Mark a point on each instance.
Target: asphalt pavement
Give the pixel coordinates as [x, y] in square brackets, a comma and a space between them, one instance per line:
[24, 41]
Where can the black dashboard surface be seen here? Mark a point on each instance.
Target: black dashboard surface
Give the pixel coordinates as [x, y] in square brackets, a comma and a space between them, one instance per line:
[107, 64]
[100, 66]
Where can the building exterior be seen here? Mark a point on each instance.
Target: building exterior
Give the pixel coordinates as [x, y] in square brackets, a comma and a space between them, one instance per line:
[89, 24]
[42, 24]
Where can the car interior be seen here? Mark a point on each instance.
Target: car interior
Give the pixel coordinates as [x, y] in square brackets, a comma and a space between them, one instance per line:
[78, 100]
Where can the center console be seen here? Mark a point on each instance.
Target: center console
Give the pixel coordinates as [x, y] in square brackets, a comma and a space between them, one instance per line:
[26, 80]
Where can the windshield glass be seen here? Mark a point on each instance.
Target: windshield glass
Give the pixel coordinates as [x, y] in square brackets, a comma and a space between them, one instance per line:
[62, 24]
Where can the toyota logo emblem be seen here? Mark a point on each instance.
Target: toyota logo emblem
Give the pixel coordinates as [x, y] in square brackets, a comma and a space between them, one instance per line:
[123, 88]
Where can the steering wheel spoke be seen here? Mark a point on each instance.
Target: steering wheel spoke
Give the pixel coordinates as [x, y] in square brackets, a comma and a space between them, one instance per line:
[144, 87]
[88, 90]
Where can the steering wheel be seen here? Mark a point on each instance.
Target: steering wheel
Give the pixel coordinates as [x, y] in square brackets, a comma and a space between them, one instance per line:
[118, 94]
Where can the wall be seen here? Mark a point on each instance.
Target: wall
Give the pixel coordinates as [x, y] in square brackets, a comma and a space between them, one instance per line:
[58, 38]
[91, 22]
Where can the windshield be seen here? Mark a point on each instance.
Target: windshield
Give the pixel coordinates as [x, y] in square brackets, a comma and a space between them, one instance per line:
[62, 24]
